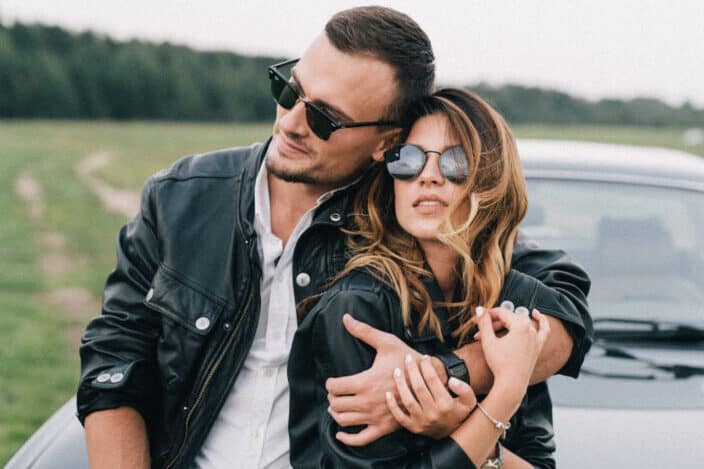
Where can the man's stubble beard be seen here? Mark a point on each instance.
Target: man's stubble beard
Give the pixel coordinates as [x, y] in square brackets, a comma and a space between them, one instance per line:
[308, 176]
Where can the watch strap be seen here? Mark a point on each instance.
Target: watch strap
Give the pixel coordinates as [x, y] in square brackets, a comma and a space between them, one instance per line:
[455, 367]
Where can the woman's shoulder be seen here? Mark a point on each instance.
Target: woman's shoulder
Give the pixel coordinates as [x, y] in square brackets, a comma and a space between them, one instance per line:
[361, 294]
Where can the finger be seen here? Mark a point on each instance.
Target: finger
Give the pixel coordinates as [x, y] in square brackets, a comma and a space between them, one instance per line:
[363, 438]
[364, 332]
[401, 417]
[346, 385]
[465, 393]
[420, 389]
[484, 324]
[348, 419]
[543, 326]
[503, 316]
[432, 380]
[345, 403]
[407, 398]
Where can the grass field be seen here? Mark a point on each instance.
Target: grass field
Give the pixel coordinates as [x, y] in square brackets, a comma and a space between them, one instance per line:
[56, 238]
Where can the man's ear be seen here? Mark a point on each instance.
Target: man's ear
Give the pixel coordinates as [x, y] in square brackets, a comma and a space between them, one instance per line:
[390, 138]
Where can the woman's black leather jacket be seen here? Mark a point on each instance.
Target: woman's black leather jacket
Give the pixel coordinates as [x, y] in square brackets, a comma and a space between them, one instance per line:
[322, 348]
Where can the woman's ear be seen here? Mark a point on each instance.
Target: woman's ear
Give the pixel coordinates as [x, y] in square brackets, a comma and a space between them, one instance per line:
[391, 137]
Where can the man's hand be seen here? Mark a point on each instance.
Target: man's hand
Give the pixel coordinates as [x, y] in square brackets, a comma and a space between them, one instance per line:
[360, 399]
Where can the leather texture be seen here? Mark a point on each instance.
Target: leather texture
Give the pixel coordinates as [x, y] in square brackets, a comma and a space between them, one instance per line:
[181, 308]
[322, 348]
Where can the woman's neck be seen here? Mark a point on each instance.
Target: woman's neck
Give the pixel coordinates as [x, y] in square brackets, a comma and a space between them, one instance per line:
[442, 261]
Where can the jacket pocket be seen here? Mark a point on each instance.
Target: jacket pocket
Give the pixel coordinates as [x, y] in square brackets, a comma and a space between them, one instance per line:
[189, 316]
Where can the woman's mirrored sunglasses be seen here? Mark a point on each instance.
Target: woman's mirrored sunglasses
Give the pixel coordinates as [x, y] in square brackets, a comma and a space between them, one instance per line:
[407, 161]
[321, 123]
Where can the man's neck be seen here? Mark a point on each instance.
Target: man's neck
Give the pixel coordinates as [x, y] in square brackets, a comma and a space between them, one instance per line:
[289, 202]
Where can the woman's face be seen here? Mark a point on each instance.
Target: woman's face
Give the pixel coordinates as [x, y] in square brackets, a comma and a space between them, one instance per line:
[422, 203]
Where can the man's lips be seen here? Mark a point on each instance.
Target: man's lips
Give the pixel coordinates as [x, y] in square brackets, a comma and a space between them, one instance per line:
[288, 147]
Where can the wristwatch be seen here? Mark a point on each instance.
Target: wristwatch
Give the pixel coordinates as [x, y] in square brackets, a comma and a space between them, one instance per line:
[454, 366]
[498, 461]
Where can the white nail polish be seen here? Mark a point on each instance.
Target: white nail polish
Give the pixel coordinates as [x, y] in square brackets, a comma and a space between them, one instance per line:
[480, 311]
[397, 372]
[409, 358]
[388, 395]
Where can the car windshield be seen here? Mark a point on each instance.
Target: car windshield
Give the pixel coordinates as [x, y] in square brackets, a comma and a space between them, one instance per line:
[641, 245]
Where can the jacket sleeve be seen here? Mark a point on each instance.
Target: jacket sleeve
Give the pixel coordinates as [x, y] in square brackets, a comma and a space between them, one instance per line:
[337, 353]
[118, 358]
[568, 284]
[533, 438]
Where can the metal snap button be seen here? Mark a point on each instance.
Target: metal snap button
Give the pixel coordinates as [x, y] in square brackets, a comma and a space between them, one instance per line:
[303, 279]
[334, 216]
[202, 323]
[150, 294]
[116, 378]
[103, 377]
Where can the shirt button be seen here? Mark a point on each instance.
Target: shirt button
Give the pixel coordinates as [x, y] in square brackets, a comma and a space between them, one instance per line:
[335, 217]
[116, 378]
[303, 279]
[103, 377]
[150, 294]
[202, 323]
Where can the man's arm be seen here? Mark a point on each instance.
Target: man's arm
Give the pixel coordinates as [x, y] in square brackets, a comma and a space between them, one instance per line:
[118, 362]
[126, 439]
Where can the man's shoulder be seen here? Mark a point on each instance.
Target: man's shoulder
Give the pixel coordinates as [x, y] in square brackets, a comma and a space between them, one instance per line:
[225, 163]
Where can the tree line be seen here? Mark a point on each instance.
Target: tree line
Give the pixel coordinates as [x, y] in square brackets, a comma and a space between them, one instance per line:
[49, 72]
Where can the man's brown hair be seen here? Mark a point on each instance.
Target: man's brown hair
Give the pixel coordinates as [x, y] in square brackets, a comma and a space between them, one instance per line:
[395, 39]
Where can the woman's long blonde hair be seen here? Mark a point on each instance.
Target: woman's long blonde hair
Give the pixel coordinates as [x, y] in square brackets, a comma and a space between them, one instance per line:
[495, 190]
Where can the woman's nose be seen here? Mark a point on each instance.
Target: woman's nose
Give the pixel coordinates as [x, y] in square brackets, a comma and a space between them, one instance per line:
[431, 173]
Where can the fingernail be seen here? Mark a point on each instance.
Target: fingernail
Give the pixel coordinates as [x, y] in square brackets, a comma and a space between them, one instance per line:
[409, 358]
[507, 304]
[455, 382]
[397, 372]
[426, 357]
[522, 310]
[476, 336]
[480, 311]
[388, 395]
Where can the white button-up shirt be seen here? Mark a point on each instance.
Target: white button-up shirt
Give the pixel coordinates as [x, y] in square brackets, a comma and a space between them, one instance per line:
[251, 430]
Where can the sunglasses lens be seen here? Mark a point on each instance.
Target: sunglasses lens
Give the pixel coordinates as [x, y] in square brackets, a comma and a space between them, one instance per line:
[318, 123]
[454, 165]
[282, 92]
[404, 161]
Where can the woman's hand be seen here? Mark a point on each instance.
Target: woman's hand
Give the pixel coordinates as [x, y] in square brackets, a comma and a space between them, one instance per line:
[429, 408]
[512, 356]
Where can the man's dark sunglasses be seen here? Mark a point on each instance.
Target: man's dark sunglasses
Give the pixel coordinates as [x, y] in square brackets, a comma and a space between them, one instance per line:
[407, 161]
[320, 122]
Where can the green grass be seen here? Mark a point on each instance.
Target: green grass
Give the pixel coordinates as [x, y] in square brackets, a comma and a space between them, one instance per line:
[38, 367]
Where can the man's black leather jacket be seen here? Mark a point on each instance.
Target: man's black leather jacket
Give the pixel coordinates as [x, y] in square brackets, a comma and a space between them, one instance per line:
[181, 308]
[322, 348]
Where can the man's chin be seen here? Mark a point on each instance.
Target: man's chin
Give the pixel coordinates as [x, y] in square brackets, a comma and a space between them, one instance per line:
[302, 176]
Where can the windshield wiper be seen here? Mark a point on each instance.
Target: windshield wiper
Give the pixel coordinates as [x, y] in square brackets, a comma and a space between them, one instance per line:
[624, 329]
[676, 371]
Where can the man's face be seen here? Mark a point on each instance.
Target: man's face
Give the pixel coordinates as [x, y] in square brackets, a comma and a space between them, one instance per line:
[351, 88]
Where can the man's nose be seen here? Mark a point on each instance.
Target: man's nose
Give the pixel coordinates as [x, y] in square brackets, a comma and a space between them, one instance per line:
[431, 173]
[293, 121]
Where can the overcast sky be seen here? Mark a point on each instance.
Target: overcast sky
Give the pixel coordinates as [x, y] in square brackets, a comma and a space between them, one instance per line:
[593, 48]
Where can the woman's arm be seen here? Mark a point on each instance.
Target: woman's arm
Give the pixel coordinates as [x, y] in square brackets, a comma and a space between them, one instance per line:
[512, 358]
[338, 353]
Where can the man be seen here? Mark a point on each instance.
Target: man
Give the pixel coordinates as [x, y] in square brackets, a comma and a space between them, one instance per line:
[187, 363]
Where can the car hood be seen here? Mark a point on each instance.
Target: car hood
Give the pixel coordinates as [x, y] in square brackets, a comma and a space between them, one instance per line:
[589, 438]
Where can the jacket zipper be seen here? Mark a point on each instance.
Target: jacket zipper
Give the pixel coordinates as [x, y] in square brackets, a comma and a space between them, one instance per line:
[209, 378]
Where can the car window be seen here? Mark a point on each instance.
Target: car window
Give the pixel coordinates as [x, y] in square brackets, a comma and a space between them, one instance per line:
[640, 244]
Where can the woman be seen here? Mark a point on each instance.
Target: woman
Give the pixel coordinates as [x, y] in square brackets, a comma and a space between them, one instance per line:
[431, 241]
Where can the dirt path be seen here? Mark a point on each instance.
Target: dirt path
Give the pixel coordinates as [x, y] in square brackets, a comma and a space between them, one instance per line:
[114, 200]
[74, 304]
